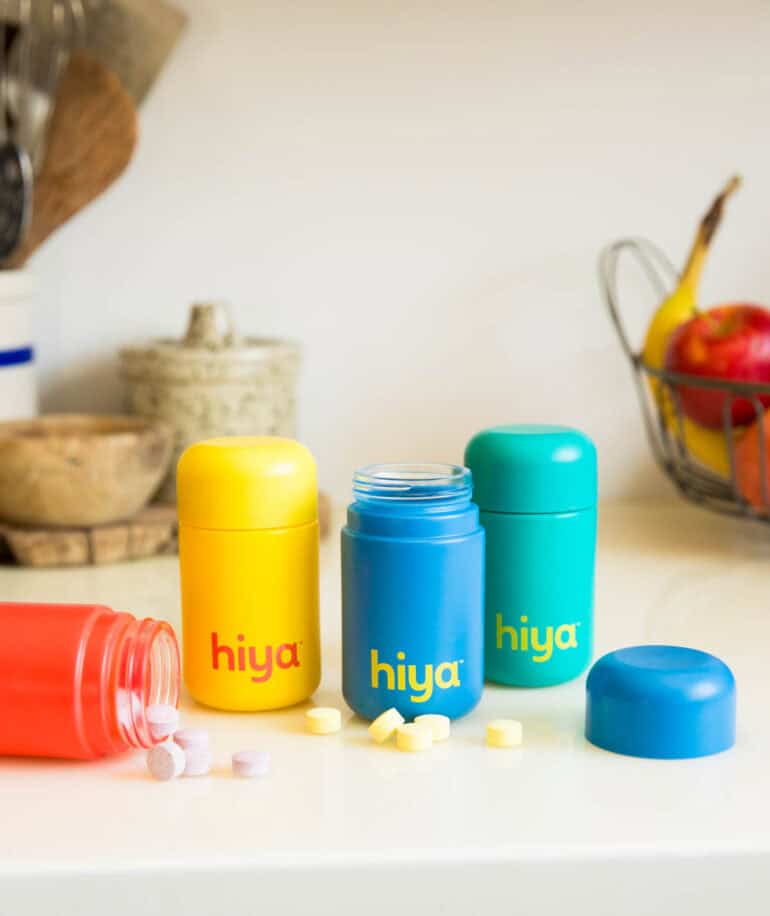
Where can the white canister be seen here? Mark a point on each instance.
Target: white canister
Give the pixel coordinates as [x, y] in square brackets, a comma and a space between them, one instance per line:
[18, 388]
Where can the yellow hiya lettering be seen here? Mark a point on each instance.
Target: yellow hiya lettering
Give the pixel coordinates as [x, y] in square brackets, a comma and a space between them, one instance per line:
[540, 641]
[422, 679]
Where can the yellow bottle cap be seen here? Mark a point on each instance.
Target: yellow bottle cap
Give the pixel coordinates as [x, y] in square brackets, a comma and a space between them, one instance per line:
[241, 483]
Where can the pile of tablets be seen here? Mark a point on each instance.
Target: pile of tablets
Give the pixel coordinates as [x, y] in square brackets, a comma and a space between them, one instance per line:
[186, 751]
[419, 735]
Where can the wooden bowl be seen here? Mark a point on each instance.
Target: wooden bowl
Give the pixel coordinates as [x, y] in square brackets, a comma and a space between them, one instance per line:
[71, 470]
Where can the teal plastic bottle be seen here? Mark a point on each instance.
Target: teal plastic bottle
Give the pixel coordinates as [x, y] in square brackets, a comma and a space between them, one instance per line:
[536, 490]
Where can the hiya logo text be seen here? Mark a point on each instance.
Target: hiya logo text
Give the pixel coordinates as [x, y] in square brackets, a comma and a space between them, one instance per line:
[526, 638]
[261, 662]
[396, 677]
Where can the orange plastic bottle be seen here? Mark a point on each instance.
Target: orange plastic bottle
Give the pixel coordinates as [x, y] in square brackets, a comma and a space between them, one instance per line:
[76, 679]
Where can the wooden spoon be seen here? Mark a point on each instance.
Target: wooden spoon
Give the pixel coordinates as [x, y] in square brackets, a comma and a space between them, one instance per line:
[91, 137]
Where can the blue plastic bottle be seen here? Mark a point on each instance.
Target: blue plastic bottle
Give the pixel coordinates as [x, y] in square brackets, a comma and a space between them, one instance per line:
[412, 592]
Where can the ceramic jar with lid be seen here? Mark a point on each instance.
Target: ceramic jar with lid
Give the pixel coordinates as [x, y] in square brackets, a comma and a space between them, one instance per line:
[213, 383]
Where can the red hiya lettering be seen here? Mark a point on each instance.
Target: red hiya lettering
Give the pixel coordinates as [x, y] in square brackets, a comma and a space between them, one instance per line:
[251, 658]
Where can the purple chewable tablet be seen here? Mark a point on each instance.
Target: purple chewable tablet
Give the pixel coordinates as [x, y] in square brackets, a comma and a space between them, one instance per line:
[162, 719]
[249, 764]
[192, 737]
[165, 761]
[197, 761]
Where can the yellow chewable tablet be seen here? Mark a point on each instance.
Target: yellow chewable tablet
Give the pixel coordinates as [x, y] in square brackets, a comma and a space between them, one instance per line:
[504, 733]
[438, 725]
[414, 737]
[385, 724]
[323, 720]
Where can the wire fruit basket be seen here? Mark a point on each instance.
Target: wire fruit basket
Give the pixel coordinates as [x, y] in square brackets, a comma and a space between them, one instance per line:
[667, 433]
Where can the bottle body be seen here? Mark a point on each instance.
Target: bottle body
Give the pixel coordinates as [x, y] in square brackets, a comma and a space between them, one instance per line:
[412, 598]
[77, 679]
[538, 620]
[248, 558]
[250, 616]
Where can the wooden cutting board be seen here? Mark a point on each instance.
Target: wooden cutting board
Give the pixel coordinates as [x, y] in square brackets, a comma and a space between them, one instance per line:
[152, 531]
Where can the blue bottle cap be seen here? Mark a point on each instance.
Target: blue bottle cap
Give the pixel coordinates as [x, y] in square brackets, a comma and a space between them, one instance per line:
[660, 701]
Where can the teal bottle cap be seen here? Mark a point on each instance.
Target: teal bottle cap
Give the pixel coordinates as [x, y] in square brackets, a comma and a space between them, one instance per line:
[532, 469]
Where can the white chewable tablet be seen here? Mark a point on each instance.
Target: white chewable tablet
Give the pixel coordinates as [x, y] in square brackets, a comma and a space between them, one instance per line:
[438, 725]
[197, 761]
[385, 724]
[504, 733]
[249, 764]
[414, 737]
[165, 761]
[162, 720]
[192, 737]
[323, 720]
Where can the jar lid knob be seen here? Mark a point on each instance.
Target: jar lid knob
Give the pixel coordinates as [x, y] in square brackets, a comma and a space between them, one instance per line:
[210, 327]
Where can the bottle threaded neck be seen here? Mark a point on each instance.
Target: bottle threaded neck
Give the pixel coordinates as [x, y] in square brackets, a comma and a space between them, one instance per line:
[428, 483]
[146, 673]
[127, 665]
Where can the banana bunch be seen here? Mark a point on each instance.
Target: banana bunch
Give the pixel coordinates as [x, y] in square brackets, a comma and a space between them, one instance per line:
[707, 446]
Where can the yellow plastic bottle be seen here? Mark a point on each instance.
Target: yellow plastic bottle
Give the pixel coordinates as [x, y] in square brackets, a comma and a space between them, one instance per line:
[248, 556]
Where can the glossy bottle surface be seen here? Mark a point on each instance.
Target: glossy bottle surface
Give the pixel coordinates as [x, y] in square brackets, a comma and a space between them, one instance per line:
[536, 490]
[412, 592]
[248, 554]
[76, 680]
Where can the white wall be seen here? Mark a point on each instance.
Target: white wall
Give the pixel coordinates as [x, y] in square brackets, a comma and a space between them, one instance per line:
[418, 192]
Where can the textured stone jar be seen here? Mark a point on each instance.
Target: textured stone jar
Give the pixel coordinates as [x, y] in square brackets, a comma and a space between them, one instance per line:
[213, 383]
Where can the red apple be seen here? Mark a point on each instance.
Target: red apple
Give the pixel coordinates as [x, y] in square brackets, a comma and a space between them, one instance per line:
[729, 342]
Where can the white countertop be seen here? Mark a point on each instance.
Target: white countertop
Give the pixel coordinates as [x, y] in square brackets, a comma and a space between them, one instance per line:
[343, 826]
